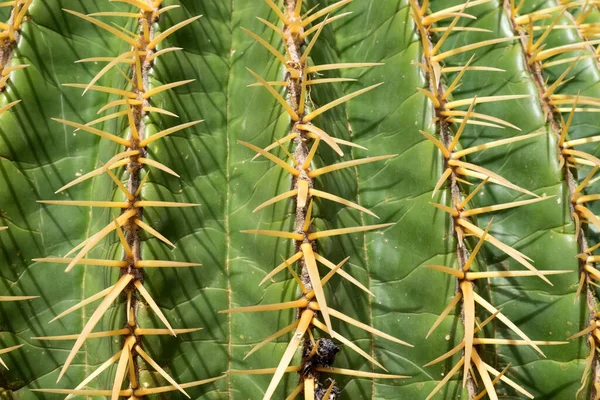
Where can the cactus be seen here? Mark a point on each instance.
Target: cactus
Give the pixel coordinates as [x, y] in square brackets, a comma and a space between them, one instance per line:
[392, 199]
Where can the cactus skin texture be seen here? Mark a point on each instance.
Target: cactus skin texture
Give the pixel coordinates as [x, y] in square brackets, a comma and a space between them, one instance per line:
[432, 189]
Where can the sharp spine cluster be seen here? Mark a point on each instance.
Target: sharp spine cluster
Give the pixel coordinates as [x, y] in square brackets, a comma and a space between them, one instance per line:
[134, 106]
[455, 171]
[539, 59]
[300, 75]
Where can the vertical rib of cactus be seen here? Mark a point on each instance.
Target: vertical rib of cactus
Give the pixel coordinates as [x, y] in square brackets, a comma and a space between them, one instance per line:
[443, 127]
[523, 25]
[137, 103]
[447, 109]
[299, 108]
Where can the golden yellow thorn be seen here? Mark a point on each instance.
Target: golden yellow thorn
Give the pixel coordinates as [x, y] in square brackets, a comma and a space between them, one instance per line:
[119, 59]
[329, 67]
[431, 19]
[347, 164]
[154, 332]
[114, 14]
[87, 393]
[324, 11]
[485, 99]
[322, 135]
[296, 277]
[267, 46]
[446, 378]
[276, 144]
[469, 169]
[104, 26]
[117, 103]
[586, 181]
[281, 234]
[271, 83]
[162, 389]
[293, 115]
[161, 371]
[119, 184]
[494, 382]
[508, 381]
[342, 273]
[95, 318]
[476, 68]
[547, 32]
[305, 320]
[441, 181]
[497, 207]
[459, 29]
[484, 303]
[17, 298]
[263, 371]
[103, 367]
[508, 274]
[282, 266]
[447, 209]
[485, 377]
[302, 192]
[104, 89]
[273, 27]
[274, 336]
[8, 70]
[144, 293]
[471, 258]
[98, 132]
[444, 313]
[496, 143]
[346, 231]
[122, 367]
[437, 143]
[431, 96]
[164, 87]
[142, 183]
[334, 335]
[163, 264]
[157, 165]
[161, 52]
[327, 22]
[306, 53]
[544, 54]
[84, 302]
[268, 307]
[95, 239]
[550, 91]
[313, 150]
[447, 32]
[340, 200]
[111, 164]
[280, 14]
[337, 102]
[365, 327]
[499, 122]
[315, 279]
[94, 335]
[86, 261]
[126, 246]
[469, 47]
[469, 324]
[174, 28]
[358, 374]
[516, 255]
[512, 342]
[105, 118]
[167, 132]
[141, 204]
